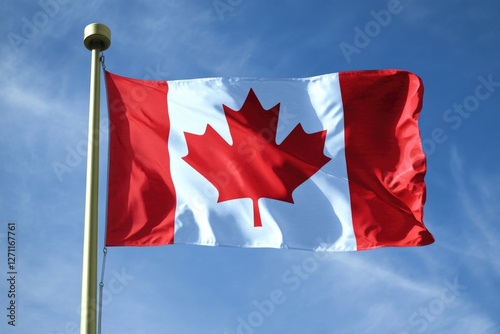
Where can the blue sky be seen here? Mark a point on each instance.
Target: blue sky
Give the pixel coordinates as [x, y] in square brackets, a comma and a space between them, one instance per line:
[451, 286]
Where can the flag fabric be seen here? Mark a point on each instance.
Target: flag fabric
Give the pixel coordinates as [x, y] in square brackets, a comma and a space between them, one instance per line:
[325, 163]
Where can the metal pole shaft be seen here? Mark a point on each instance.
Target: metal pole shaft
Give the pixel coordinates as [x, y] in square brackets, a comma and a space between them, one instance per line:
[89, 268]
[97, 37]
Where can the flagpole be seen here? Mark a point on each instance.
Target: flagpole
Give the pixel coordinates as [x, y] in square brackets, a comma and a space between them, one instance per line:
[97, 38]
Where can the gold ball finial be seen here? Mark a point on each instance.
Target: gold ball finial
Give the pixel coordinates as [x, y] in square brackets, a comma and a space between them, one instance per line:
[97, 35]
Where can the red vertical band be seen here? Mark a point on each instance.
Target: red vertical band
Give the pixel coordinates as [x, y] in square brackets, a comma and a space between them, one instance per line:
[141, 194]
[385, 161]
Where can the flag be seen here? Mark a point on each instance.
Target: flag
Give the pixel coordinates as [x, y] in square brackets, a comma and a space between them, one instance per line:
[326, 163]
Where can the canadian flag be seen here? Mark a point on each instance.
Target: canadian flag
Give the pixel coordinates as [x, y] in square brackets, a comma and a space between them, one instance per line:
[326, 163]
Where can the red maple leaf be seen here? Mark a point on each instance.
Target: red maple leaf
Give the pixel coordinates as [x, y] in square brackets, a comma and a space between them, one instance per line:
[254, 166]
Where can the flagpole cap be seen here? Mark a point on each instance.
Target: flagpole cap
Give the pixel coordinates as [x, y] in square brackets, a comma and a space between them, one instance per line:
[97, 35]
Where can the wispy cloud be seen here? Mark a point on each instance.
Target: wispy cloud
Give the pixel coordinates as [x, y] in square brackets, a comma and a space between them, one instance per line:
[477, 194]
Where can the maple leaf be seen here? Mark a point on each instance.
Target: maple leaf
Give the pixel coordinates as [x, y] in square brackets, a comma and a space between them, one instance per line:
[254, 166]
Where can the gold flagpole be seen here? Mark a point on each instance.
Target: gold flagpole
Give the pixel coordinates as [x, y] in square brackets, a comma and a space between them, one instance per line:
[97, 38]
